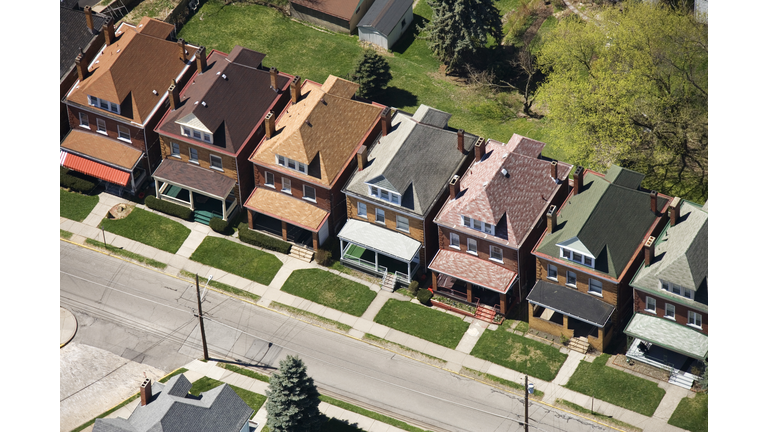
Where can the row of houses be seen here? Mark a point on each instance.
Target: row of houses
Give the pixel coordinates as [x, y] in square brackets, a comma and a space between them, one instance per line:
[495, 224]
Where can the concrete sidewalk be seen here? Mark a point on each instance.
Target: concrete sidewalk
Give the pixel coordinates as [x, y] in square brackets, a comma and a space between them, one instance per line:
[456, 358]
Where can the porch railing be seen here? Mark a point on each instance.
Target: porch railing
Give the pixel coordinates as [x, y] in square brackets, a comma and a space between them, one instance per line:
[361, 262]
[231, 208]
[174, 200]
[402, 278]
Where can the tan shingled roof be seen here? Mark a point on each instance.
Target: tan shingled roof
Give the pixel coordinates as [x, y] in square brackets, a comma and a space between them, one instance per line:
[323, 123]
[102, 148]
[288, 208]
[135, 64]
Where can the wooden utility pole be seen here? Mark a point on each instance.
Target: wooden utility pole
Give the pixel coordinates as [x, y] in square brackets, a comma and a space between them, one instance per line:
[202, 329]
[526, 403]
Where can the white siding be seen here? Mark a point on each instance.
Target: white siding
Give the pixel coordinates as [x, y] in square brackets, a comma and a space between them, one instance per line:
[322, 235]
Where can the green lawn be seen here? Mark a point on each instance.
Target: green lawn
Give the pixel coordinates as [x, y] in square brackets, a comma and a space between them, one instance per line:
[149, 228]
[519, 353]
[224, 287]
[428, 324]
[127, 254]
[237, 259]
[616, 387]
[330, 290]
[76, 206]
[254, 400]
[65, 234]
[317, 319]
[692, 414]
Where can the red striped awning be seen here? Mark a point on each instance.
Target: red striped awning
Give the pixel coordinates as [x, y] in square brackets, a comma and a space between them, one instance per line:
[95, 169]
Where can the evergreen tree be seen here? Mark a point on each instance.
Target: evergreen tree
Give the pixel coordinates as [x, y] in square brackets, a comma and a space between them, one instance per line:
[372, 73]
[293, 399]
[460, 27]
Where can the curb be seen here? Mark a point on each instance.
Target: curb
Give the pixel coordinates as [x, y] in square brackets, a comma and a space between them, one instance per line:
[72, 336]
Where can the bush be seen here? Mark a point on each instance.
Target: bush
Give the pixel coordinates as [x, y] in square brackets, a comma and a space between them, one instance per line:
[168, 207]
[73, 183]
[249, 236]
[323, 257]
[425, 296]
[413, 287]
[220, 226]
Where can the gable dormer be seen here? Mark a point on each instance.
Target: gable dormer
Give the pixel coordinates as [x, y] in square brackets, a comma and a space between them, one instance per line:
[380, 188]
[192, 127]
[104, 104]
[574, 250]
[478, 225]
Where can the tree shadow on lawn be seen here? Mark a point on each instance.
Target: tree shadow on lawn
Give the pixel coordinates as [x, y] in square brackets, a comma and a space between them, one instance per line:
[397, 97]
[407, 38]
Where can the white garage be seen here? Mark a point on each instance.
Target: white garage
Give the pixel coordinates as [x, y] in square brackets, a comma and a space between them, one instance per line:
[385, 22]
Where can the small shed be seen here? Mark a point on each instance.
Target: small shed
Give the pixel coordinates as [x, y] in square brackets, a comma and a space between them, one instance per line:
[385, 22]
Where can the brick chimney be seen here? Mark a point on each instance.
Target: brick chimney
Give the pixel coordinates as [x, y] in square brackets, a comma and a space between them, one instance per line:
[386, 121]
[551, 219]
[173, 95]
[109, 31]
[454, 186]
[273, 78]
[89, 19]
[145, 391]
[82, 67]
[362, 157]
[578, 180]
[460, 141]
[674, 211]
[201, 60]
[182, 50]
[654, 203]
[269, 124]
[553, 170]
[479, 149]
[296, 89]
[649, 250]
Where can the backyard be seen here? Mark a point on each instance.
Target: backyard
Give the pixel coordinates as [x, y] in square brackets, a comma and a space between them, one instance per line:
[425, 323]
[330, 290]
[237, 259]
[149, 228]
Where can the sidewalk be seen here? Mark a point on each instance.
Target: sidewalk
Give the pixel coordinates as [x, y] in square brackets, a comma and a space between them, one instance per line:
[455, 358]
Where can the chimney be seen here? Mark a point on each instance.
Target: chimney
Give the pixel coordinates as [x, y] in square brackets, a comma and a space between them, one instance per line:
[460, 142]
[649, 250]
[454, 186]
[551, 219]
[82, 68]
[273, 78]
[269, 124]
[89, 19]
[109, 31]
[479, 149]
[182, 50]
[386, 121]
[553, 170]
[362, 157]
[653, 201]
[145, 391]
[173, 95]
[674, 211]
[202, 62]
[296, 89]
[578, 180]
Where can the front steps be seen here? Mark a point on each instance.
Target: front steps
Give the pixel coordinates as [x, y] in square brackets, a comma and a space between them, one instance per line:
[681, 379]
[485, 313]
[579, 344]
[388, 283]
[301, 253]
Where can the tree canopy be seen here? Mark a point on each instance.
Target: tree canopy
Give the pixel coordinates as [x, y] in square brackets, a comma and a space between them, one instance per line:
[293, 399]
[372, 73]
[630, 88]
[459, 28]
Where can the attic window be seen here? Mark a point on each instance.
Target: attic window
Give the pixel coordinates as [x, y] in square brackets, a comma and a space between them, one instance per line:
[478, 225]
[575, 256]
[290, 163]
[196, 134]
[385, 195]
[105, 105]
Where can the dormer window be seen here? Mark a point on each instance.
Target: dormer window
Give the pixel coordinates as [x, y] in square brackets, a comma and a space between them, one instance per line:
[384, 194]
[196, 134]
[676, 289]
[105, 105]
[579, 257]
[478, 225]
[290, 163]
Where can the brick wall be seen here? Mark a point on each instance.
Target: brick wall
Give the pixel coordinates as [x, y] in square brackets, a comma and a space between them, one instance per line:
[681, 311]
[483, 248]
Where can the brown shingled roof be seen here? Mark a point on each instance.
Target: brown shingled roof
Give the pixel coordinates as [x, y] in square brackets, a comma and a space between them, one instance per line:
[285, 207]
[339, 8]
[100, 147]
[153, 27]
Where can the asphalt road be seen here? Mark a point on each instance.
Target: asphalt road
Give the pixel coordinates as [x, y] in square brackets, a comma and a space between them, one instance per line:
[148, 317]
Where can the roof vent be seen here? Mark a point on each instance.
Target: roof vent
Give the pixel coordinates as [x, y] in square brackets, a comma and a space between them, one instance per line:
[504, 172]
[204, 104]
[218, 73]
[196, 102]
[485, 184]
[154, 92]
[224, 76]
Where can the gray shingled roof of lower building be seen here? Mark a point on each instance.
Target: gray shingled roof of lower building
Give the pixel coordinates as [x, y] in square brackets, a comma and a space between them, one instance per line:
[570, 302]
[384, 15]
[668, 334]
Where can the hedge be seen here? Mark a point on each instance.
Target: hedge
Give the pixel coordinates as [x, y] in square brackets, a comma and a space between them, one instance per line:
[249, 236]
[219, 225]
[76, 184]
[168, 207]
[425, 296]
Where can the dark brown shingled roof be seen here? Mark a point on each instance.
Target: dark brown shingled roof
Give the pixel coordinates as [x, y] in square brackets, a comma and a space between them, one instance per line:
[339, 8]
[195, 177]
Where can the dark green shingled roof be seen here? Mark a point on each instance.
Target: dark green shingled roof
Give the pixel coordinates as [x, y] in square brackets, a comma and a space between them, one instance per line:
[610, 221]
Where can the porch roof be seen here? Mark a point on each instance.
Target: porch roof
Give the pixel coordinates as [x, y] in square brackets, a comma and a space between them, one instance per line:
[668, 334]
[474, 270]
[287, 208]
[570, 302]
[95, 169]
[102, 149]
[194, 177]
[382, 240]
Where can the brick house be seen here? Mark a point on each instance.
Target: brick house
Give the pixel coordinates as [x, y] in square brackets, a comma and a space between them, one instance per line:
[119, 97]
[588, 254]
[305, 157]
[670, 322]
[495, 214]
[393, 198]
[212, 127]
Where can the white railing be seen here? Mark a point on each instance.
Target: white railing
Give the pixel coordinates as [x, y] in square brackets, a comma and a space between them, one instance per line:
[174, 200]
[361, 262]
[231, 209]
[402, 278]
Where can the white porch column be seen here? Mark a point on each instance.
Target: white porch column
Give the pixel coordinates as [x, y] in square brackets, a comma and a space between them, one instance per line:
[409, 270]
[376, 259]
[192, 200]
[224, 209]
[157, 190]
[341, 248]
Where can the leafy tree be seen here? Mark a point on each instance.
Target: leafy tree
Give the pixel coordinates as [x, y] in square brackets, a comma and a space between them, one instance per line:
[293, 399]
[631, 88]
[459, 28]
[372, 73]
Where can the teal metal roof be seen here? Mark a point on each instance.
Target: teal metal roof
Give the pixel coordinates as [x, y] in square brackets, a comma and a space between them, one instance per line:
[668, 334]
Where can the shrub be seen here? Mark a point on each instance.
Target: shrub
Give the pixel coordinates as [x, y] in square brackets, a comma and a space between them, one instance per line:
[168, 207]
[323, 257]
[413, 287]
[425, 296]
[220, 225]
[258, 239]
[74, 183]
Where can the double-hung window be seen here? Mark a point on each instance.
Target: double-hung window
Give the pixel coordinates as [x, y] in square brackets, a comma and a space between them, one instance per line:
[402, 223]
[216, 163]
[478, 225]
[362, 210]
[669, 310]
[286, 185]
[84, 120]
[650, 304]
[379, 215]
[123, 133]
[385, 195]
[551, 272]
[455, 241]
[570, 278]
[175, 152]
[472, 246]
[576, 257]
[105, 105]
[694, 319]
[596, 287]
[290, 163]
[496, 254]
[269, 179]
[101, 126]
[309, 193]
[193, 155]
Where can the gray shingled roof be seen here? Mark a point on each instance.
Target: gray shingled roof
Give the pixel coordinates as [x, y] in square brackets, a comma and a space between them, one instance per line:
[74, 35]
[669, 334]
[382, 240]
[384, 15]
[171, 409]
[417, 160]
[570, 302]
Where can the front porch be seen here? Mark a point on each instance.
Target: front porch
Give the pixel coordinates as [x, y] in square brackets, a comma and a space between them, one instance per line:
[380, 264]
[204, 207]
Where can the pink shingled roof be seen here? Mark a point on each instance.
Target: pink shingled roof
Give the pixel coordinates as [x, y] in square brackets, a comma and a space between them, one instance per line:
[523, 194]
[473, 269]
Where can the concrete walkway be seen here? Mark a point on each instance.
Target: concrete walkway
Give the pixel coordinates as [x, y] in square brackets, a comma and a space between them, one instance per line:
[456, 359]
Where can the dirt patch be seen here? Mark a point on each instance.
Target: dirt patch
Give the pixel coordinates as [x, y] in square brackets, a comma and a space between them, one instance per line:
[542, 13]
[619, 361]
[120, 211]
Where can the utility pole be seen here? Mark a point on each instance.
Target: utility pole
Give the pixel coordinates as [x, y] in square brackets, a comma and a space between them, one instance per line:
[526, 403]
[202, 329]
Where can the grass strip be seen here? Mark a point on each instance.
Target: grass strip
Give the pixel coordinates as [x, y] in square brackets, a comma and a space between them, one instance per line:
[312, 317]
[149, 228]
[173, 374]
[253, 400]
[65, 234]
[692, 414]
[328, 289]
[493, 379]
[122, 252]
[370, 414]
[423, 322]
[597, 416]
[76, 206]
[224, 287]
[237, 259]
[243, 371]
[397, 347]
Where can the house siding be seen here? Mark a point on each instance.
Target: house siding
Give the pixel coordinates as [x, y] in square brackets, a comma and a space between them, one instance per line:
[510, 255]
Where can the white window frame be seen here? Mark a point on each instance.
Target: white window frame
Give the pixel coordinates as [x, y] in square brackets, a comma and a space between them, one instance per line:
[500, 258]
[362, 210]
[196, 134]
[676, 289]
[471, 246]
[84, 120]
[380, 212]
[551, 272]
[291, 164]
[577, 257]
[306, 196]
[285, 185]
[478, 225]
[97, 102]
[595, 287]
[455, 241]
[692, 315]
[384, 195]
[122, 129]
[667, 307]
[402, 223]
[568, 275]
[648, 301]
[175, 150]
[101, 126]
[221, 163]
[196, 158]
[269, 179]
